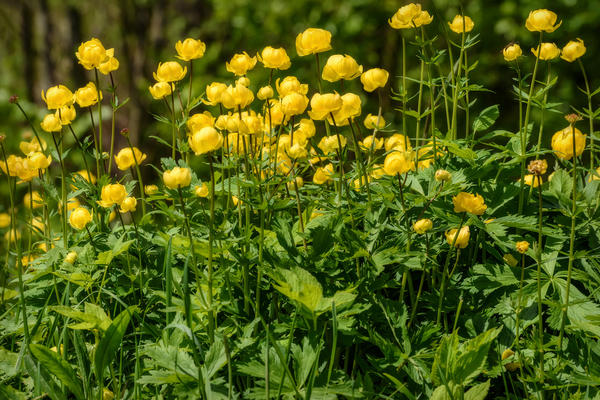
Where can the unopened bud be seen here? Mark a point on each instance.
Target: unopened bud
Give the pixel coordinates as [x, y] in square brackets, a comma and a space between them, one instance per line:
[13, 99]
[572, 118]
[2, 137]
[125, 132]
[441, 175]
[537, 167]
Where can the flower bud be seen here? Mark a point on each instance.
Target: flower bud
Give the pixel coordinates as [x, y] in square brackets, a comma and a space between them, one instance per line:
[460, 239]
[274, 58]
[265, 92]
[128, 205]
[71, 257]
[341, 67]
[177, 177]
[467, 202]
[150, 189]
[522, 246]
[573, 50]
[548, 51]
[79, 218]
[13, 99]
[202, 190]
[240, 64]
[562, 143]
[441, 175]
[313, 41]
[160, 89]
[374, 78]
[87, 95]
[461, 24]
[423, 225]
[512, 51]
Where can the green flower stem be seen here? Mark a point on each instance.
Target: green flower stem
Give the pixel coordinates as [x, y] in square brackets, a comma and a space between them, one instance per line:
[467, 102]
[405, 274]
[456, 83]
[63, 187]
[404, 92]
[139, 175]
[96, 147]
[87, 168]
[362, 169]
[419, 102]
[211, 228]
[519, 298]
[590, 113]
[173, 128]
[538, 256]
[340, 153]
[318, 71]
[523, 131]
[187, 107]
[99, 122]
[35, 132]
[445, 276]
[112, 123]
[541, 130]
[421, 283]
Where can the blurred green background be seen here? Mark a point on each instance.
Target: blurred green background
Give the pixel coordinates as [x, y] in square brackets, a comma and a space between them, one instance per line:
[38, 40]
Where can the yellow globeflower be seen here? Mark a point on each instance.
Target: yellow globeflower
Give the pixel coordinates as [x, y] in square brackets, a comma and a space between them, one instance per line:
[202, 190]
[372, 121]
[32, 146]
[264, 93]
[306, 127]
[276, 58]
[71, 257]
[573, 50]
[51, 123]
[39, 160]
[351, 108]
[214, 91]
[324, 104]
[374, 78]
[190, 49]
[235, 97]
[290, 84]
[87, 95]
[150, 189]
[127, 158]
[532, 180]
[410, 16]
[548, 51]
[112, 194]
[92, 53]
[462, 240]
[422, 226]
[340, 67]
[111, 64]
[522, 246]
[294, 104]
[66, 114]
[128, 205]
[398, 142]
[177, 177]
[367, 143]
[57, 97]
[323, 174]
[398, 162]
[330, 144]
[4, 220]
[170, 71]
[461, 24]
[161, 89]
[441, 175]
[79, 218]
[33, 199]
[562, 143]
[542, 20]
[205, 140]
[467, 202]
[512, 51]
[199, 121]
[240, 64]
[313, 41]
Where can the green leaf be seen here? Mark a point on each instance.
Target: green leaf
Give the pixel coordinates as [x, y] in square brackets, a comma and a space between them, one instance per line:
[486, 118]
[57, 367]
[111, 340]
[478, 392]
[472, 356]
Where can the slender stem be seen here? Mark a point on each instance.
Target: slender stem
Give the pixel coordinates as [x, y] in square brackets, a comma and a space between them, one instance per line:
[191, 84]
[87, 168]
[590, 113]
[404, 93]
[139, 175]
[63, 190]
[210, 246]
[100, 144]
[538, 257]
[541, 130]
[112, 123]
[97, 155]
[173, 129]
[445, 270]
[456, 82]
[318, 71]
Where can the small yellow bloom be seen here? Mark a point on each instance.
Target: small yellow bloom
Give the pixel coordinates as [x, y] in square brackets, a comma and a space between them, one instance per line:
[410, 16]
[297, 151]
[374, 78]
[542, 20]
[110, 65]
[205, 140]
[190, 49]
[107, 394]
[299, 182]
[573, 50]
[242, 80]
[79, 218]
[371, 142]
[372, 121]
[32, 146]
[330, 144]
[170, 71]
[161, 89]
[276, 58]
[38, 160]
[57, 97]
[294, 104]
[323, 174]
[398, 162]
[306, 127]
[66, 114]
[290, 84]
[467, 202]
[522, 246]
[128, 205]
[549, 51]
[531, 179]
[240, 64]
[235, 97]
[441, 175]
[512, 51]
[202, 190]
[12, 236]
[265, 92]
[150, 189]
[33, 199]
[562, 143]
[92, 53]
[51, 123]
[398, 142]
[214, 91]
[177, 177]
[199, 121]
[127, 158]
[462, 237]
[422, 226]
[112, 194]
[4, 220]
[313, 41]
[87, 95]
[71, 257]
[340, 67]
[324, 104]
[236, 201]
[461, 24]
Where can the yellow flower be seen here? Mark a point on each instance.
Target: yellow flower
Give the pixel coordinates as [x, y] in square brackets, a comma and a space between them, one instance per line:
[128, 205]
[33, 199]
[531, 179]
[265, 92]
[242, 80]
[323, 174]
[205, 140]
[214, 91]
[297, 151]
[595, 177]
[275, 114]
[112, 194]
[398, 162]
[87, 95]
[274, 58]
[351, 108]
[238, 96]
[512, 51]
[87, 176]
[398, 142]
[71, 257]
[425, 155]
[410, 16]
[170, 71]
[306, 127]
[150, 189]
[372, 121]
[235, 200]
[161, 89]
[290, 84]
[127, 158]
[340, 67]
[111, 64]
[522, 246]
[57, 97]
[467, 202]
[422, 226]
[324, 104]
[542, 20]
[549, 51]
[190, 49]
[299, 182]
[367, 143]
[92, 53]
[202, 190]
[562, 143]
[461, 24]
[37, 224]
[32, 146]
[79, 218]
[240, 64]
[374, 78]
[66, 114]
[4, 220]
[12, 236]
[294, 104]
[573, 50]
[51, 123]
[462, 239]
[441, 175]
[177, 177]
[199, 121]
[329, 144]
[38, 160]
[313, 41]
